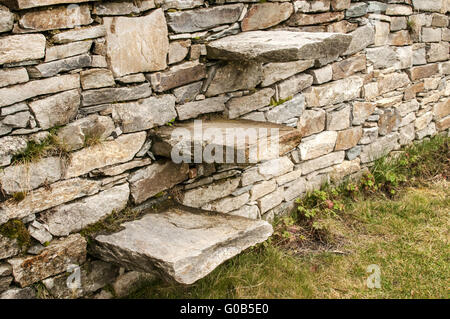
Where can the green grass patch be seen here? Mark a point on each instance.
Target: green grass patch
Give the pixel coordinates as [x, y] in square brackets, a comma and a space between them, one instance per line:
[15, 229]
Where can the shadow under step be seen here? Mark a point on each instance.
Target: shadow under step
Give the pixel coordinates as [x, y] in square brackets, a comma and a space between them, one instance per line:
[278, 46]
[181, 243]
[224, 141]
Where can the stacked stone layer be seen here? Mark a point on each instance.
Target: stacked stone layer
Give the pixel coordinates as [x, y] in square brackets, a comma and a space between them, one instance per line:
[115, 71]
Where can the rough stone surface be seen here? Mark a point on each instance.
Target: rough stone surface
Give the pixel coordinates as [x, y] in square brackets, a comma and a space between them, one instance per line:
[339, 119]
[348, 67]
[424, 71]
[438, 52]
[265, 15]
[379, 148]
[178, 50]
[13, 76]
[58, 52]
[153, 179]
[274, 72]
[53, 260]
[73, 217]
[178, 75]
[58, 18]
[194, 244]
[278, 46]
[10, 145]
[25, 177]
[138, 44]
[188, 92]
[301, 19]
[242, 105]
[388, 121]
[57, 109]
[193, 109]
[21, 92]
[112, 95]
[275, 167]
[18, 48]
[311, 122]
[80, 34]
[335, 92]
[198, 20]
[361, 38]
[317, 145]
[287, 110]
[8, 247]
[107, 153]
[17, 293]
[293, 85]
[6, 19]
[390, 82]
[322, 162]
[145, 114]
[227, 204]
[96, 78]
[348, 138]
[270, 201]
[361, 111]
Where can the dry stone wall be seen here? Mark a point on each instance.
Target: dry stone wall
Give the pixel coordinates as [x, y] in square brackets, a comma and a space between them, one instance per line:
[96, 77]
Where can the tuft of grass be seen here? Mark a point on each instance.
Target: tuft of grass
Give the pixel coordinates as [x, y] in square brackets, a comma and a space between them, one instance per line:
[91, 140]
[19, 196]
[34, 151]
[274, 102]
[15, 229]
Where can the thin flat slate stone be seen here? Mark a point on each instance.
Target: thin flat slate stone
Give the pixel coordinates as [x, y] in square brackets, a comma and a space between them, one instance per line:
[235, 141]
[278, 46]
[181, 243]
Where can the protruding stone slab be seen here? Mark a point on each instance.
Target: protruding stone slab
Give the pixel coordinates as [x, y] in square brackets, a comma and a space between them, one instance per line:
[278, 46]
[26, 4]
[220, 140]
[181, 244]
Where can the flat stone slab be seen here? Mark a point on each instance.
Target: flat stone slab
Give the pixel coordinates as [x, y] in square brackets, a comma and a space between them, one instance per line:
[181, 243]
[224, 141]
[279, 46]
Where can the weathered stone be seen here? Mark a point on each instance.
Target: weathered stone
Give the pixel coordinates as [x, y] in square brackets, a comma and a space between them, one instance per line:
[203, 19]
[17, 293]
[312, 6]
[361, 38]
[67, 50]
[227, 204]
[193, 109]
[122, 8]
[18, 48]
[437, 52]
[96, 78]
[200, 196]
[353, 153]
[235, 76]
[21, 92]
[39, 232]
[10, 145]
[335, 92]
[112, 95]
[278, 46]
[118, 169]
[178, 75]
[75, 135]
[5, 269]
[27, 4]
[301, 19]
[18, 120]
[439, 20]
[145, 114]
[322, 75]
[400, 38]
[275, 167]
[295, 189]
[317, 145]
[117, 151]
[5, 282]
[381, 33]
[57, 109]
[47, 197]
[188, 92]
[442, 109]
[361, 111]
[49, 69]
[25, 177]
[424, 71]
[242, 105]
[263, 188]
[56, 18]
[133, 46]
[423, 121]
[342, 27]
[379, 148]
[8, 247]
[406, 134]
[442, 124]
[338, 5]
[426, 5]
[356, 10]
[93, 276]
[210, 239]
[73, 217]
[419, 56]
[80, 34]
[348, 67]
[132, 78]
[392, 81]
[179, 4]
[153, 179]
[398, 23]
[322, 162]
[271, 200]
[6, 19]
[340, 171]
[339, 119]
[348, 138]
[13, 76]
[430, 130]
[265, 15]
[293, 85]
[431, 34]
[311, 122]
[412, 90]
[53, 260]
[398, 10]
[388, 121]
[287, 111]
[178, 50]
[247, 211]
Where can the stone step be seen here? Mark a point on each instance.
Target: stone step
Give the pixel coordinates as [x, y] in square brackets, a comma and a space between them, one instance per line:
[224, 141]
[278, 46]
[181, 243]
